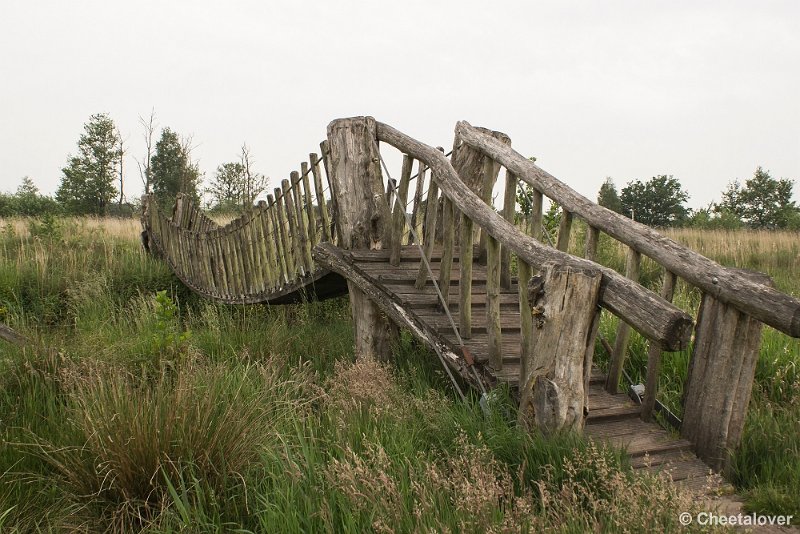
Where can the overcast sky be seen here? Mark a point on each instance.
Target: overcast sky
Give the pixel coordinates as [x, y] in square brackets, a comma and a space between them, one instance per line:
[705, 91]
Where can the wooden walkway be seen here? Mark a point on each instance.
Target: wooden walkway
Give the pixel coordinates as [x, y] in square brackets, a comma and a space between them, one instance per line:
[613, 418]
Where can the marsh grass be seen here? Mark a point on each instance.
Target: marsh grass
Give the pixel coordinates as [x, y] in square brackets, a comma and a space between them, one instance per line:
[259, 421]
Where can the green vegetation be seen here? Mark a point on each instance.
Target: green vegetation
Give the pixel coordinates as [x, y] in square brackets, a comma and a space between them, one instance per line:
[145, 408]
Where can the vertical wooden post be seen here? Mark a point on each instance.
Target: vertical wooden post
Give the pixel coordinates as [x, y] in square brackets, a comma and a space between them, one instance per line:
[720, 380]
[525, 321]
[399, 214]
[553, 394]
[493, 302]
[465, 282]
[363, 220]
[509, 213]
[310, 215]
[654, 354]
[564, 229]
[537, 215]
[323, 205]
[431, 211]
[592, 240]
[302, 226]
[448, 229]
[623, 330]
[416, 215]
[286, 244]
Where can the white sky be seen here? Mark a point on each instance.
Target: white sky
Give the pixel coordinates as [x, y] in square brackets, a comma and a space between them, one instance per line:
[705, 91]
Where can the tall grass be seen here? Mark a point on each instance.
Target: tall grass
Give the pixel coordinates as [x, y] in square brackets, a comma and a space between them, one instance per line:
[212, 418]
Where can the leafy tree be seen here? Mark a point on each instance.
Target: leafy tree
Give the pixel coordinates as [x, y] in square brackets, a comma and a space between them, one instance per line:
[763, 202]
[659, 202]
[171, 168]
[87, 186]
[235, 184]
[28, 202]
[608, 196]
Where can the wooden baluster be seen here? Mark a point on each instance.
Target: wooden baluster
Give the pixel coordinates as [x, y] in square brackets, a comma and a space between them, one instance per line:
[284, 227]
[279, 237]
[399, 215]
[493, 302]
[236, 255]
[323, 206]
[246, 248]
[416, 216]
[431, 208]
[564, 228]
[256, 243]
[623, 330]
[310, 215]
[219, 261]
[592, 240]
[263, 245]
[525, 322]
[448, 223]
[208, 255]
[302, 230]
[654, 354]
[537, 216]
[294, 238]
[489, 173]
[509, 213]
[465, 283]
[325, 153]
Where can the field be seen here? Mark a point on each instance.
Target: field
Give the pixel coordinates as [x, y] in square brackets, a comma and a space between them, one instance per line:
[141, 407]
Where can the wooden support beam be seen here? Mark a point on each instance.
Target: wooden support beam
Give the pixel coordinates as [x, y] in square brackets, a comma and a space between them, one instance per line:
[592, 240]
[448, 229]
[364, 221]
[617, 363]
[509, 213]
[302, 225]
[416, 212]
[309, 205]
[286, 244]
[526, 320]
[720, 379]
[554, 392]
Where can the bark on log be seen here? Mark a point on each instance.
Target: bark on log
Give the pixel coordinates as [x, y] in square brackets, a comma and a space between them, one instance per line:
[770, 306]
[648, 313]
[720, 379]
[554, 392]
[363, 221]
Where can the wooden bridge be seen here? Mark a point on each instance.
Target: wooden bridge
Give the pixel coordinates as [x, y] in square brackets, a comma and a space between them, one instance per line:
[430, 253]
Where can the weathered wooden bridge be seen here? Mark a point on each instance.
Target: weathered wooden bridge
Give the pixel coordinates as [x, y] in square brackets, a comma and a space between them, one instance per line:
[430, 253]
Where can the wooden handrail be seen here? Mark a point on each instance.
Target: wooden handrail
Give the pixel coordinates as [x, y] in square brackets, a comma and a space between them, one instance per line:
[768, 305]
[645, 311]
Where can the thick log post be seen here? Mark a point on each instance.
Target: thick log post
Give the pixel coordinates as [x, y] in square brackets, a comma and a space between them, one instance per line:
[564, 303]
[363, 220]
[399, 214]
[720, 379]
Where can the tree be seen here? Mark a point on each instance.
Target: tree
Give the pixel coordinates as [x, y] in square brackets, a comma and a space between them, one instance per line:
[87, 186]
[608, 196]
[236, 184]
[144, 166]
[171, 168]
[659, 202]
[763, 202]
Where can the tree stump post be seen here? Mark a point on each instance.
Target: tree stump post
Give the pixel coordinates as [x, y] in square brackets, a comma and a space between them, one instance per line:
[363, 221]
[720, 380]
[564, 305]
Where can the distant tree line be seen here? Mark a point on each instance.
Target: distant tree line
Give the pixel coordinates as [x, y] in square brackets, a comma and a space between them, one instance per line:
[762, 202]
[92, 182]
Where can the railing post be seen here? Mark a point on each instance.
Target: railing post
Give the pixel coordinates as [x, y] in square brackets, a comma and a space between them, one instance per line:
[363, 219]
[654, 355]
[509, 212]
[564, 229]
[720, 380]
[623, 330]
[431, 211]
[399, 214]
[323, 205]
